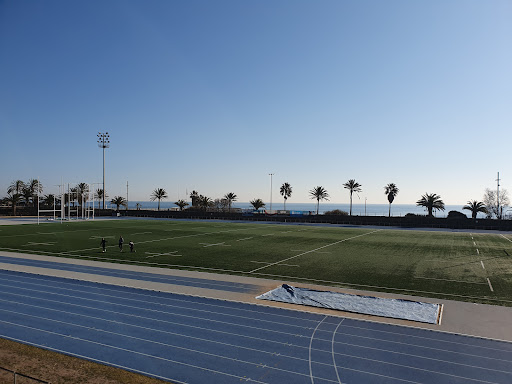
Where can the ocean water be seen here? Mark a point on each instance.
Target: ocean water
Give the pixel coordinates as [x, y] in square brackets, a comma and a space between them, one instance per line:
[357, 209]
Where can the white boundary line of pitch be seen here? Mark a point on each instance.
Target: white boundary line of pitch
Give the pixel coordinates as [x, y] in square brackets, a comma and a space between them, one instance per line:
[314, 250]
[506, 238]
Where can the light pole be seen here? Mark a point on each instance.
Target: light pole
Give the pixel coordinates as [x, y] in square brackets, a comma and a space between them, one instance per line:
[271, 174]
[103, 142]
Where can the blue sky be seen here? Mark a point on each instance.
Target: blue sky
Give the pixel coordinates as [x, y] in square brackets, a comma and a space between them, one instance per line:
[215, 95]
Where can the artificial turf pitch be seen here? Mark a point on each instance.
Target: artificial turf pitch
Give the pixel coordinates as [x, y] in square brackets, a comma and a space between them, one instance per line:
[460, 266]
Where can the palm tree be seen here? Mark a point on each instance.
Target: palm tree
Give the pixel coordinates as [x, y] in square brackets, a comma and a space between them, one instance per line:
[391, 190]
[204, 202]
[49, 200]
[27, 194]
[257, 204]
[118, 201]
[16, 187]
[13, 199]
[99, 196]
[82, 189]
[194, 196]
[431, 202]
[352, 186]
[158, 194]
[181, 203]
[319, 193]
[230, 197]
[286, 192]
[475, 207]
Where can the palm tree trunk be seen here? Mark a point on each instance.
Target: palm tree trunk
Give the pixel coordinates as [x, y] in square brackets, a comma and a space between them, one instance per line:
[350, 203]
[317, 205]
[389, 210]
[158, 204]
[285, 204]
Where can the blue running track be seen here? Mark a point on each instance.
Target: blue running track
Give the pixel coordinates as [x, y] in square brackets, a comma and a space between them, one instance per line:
[196, 340]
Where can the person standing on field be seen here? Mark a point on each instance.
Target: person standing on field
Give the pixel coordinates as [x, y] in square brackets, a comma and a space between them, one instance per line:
[121, 241]
[131, 246]
[103, 244]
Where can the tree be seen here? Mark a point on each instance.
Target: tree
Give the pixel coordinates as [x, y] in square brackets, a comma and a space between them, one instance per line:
[99, 196]
[491, 202]
[230, 198]
[49, 200]
[158, 194]
[391, 191]
[286, 192]
[431, 202]
[13, 199]
[118, 201]
[204, 202]
[475, 207]
[16, 187]
[318, 193]
[181, 203]
[257, 204]
[195, 197]
[352, 186]
[27, 195]
[82, 190]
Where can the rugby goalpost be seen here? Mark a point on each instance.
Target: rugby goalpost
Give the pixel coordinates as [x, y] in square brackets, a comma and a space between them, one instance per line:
[86, 207]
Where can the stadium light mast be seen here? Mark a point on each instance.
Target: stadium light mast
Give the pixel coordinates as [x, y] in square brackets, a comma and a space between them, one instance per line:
[103, 142]
[271, 174]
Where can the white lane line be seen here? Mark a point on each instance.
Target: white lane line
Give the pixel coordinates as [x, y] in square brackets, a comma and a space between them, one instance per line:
[100, 237]
[481, 262]
[148, 355]
[310, 344]
[140, 233]
[246, 238]
[332, 350]
[454, 281]
[266, 262]
[31, 243]
[252, 327]
[477, 251]
[490, 286]
[223, 244]
[268, 234]
[316, 249]
[506, 238]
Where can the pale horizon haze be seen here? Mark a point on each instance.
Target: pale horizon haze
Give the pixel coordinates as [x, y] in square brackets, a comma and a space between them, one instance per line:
[215, 95]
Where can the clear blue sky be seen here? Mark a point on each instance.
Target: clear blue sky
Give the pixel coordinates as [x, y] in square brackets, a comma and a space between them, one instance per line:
[215, 95]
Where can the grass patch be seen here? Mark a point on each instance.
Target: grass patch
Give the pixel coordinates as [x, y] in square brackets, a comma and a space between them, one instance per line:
[425, 263]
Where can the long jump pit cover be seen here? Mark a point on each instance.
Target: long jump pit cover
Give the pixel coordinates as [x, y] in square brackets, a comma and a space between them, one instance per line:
[368, 305]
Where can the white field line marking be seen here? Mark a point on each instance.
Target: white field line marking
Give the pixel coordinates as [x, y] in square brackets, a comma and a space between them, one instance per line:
[160, 254]
[481, 262]
[246, 238]
[243, 326]
[163, 254]
[454, 281]
[310, 344]
[31, 243]
[477, 251]
[490, 286]
[506, 238]
[265, 262]
[316, 249]
[332, 350]
[268, 234]
[140, 233]
[164, 239]
[223, 244]
[474, 243]
[148, 355]
[100, 237]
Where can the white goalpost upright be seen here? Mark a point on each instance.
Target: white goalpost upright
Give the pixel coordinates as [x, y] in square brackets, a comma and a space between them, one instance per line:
[84, 209]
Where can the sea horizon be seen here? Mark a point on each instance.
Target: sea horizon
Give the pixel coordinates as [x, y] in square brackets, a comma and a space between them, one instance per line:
[397, 210]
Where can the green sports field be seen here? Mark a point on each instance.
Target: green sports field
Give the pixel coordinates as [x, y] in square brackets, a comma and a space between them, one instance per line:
[458, 266]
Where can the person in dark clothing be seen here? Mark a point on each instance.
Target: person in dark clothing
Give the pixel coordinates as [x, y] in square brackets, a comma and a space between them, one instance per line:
[131, 246]
[121, 241]
[103, 244]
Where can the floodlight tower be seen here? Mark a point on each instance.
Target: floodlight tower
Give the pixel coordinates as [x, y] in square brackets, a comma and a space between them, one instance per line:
[103, 142]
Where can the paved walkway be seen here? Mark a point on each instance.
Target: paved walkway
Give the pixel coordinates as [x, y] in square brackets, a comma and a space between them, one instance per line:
[479, 320]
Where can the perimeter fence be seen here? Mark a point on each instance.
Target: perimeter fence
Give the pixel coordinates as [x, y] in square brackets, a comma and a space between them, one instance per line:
[19, 378]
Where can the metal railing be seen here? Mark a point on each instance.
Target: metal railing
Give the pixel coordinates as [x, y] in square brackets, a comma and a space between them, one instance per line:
[16, 375]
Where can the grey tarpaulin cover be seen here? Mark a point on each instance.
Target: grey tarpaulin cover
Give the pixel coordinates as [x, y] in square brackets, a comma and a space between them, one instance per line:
[368, 305]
